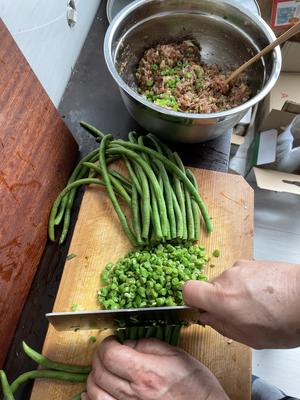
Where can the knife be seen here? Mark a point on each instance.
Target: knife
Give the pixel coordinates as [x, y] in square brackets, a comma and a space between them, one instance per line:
[113, 319]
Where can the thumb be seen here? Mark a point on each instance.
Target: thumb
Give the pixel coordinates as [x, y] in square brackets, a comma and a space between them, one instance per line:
[202, 295]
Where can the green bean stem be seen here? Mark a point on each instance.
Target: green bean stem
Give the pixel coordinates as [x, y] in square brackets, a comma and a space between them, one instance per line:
[172, 169]
[6, 389]
[47, 363]
[111, 192]
[47, 374]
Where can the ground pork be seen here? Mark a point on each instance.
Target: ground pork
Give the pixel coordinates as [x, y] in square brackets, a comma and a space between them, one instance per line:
[173, 76]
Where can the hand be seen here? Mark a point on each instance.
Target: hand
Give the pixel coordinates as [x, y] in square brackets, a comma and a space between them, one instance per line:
[255, 303]
[149, 369]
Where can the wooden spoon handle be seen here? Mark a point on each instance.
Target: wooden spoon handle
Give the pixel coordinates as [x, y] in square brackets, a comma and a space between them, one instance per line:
[282, 38]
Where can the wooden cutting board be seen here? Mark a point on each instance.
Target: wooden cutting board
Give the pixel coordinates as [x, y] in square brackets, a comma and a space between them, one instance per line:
[37, 153]
[98, 239]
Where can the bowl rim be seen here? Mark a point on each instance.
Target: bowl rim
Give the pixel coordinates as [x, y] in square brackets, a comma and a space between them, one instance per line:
[270, 35]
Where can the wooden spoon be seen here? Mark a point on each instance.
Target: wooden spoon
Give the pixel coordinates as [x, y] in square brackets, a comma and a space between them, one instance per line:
[282, 38]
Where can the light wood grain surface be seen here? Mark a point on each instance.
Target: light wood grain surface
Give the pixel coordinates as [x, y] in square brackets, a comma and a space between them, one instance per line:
[98, 239]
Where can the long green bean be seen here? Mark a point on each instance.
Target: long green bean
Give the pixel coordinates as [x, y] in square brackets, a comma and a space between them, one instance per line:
[155, 216]
[195, 207]
[111, 192]
[126, 182]
[161, 147]
[47, 374]
[92, 130]
[70, 200]
[145, 156]
[173, 169]
[133, 176]
[179, 193]
[49, 364]
[116, 184]
[117, 149]
[157, 234]
[167, 186]
[132, 137]
[178, 216]
[145, 198]
[168, 195]
[72, 178]
[136, 219]
[76, 184]
[6, 389]
[188, 204]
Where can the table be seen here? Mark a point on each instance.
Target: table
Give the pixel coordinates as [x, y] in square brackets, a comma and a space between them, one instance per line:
[91, 95]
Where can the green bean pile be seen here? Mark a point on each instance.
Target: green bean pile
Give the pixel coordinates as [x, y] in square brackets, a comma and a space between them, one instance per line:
[161, 193]
[152, 277]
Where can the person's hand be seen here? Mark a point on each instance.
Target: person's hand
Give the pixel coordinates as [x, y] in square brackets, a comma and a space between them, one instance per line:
[149, 369]
[255, 303]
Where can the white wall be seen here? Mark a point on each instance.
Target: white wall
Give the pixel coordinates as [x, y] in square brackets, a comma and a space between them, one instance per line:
[41, 30]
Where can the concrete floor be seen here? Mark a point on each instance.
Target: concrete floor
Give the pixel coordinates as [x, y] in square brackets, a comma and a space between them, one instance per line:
[277, 237]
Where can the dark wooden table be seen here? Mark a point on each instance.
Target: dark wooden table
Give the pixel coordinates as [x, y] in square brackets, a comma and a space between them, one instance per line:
[93, 96]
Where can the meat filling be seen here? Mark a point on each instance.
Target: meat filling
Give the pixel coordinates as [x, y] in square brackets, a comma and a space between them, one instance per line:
[173, 76]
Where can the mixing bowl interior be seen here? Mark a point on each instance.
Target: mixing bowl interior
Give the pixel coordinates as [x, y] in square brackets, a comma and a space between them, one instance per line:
[226, 37]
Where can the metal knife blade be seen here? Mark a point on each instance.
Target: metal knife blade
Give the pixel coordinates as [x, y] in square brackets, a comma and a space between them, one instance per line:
[112, 319]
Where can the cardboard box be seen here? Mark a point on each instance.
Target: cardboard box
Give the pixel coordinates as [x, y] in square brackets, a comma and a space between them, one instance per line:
[262, 152]
[277, 181]
[291, 57]
[287, 88]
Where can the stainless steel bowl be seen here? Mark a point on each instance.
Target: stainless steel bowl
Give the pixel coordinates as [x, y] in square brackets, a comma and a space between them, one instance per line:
[228, 36]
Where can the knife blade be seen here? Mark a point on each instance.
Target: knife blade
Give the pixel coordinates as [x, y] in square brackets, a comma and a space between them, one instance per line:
[112, 319]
